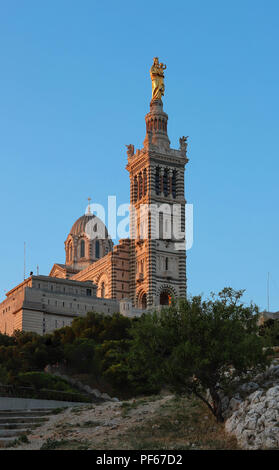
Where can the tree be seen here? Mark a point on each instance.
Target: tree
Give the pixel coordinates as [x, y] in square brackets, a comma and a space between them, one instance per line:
[111, 357]
[101, 327]
[80, 354]
[4, 378]
[6, 340]
[199, 345]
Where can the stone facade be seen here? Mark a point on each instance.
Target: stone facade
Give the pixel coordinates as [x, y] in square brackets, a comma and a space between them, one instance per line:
[150, 267]
[43, 304]
[111, 273]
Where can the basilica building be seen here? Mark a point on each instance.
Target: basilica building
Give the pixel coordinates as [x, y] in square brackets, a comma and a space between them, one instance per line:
[147, 270]
[143, 271]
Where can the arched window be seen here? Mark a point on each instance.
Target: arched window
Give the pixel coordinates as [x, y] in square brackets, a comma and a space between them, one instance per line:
[165, 298]
[97, 249]
[140, 186]
[173, 184]
[166, 182]
[82, 249]
[167, 264]
[135, 189]
[144, 302]
[144, 182]
[103, 290]
[157, 181]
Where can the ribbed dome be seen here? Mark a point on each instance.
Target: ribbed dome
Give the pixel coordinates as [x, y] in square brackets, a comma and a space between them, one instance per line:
[80, 225]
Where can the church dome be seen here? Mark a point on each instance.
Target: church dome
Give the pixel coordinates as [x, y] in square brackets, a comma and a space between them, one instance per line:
[87, 221]
[87, 242]
[80, 224]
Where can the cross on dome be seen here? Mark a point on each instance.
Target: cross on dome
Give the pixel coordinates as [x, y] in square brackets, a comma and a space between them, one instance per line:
[88, 207]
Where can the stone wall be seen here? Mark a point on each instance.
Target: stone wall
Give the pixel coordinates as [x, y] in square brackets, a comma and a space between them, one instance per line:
[252, 414]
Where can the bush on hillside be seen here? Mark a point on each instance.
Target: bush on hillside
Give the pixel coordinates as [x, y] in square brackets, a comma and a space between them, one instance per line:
[198, 345]
[42, 380]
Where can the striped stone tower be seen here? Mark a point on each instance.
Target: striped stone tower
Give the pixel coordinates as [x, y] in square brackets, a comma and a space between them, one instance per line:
[157, 217]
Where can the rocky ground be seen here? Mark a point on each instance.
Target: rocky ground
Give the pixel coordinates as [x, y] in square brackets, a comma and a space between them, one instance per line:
[253, 413]
[168, 422]
[256, 422]
[156, 422]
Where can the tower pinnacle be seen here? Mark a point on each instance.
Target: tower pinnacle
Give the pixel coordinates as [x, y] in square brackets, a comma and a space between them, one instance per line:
[157, 120]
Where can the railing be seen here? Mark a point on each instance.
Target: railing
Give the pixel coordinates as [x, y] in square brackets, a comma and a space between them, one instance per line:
[44, 394]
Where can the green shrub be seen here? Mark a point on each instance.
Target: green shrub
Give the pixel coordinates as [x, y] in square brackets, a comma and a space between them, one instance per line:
[42, 380]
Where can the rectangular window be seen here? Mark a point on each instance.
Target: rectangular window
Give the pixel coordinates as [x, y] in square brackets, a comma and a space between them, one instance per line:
[167, 264]
[161, 227]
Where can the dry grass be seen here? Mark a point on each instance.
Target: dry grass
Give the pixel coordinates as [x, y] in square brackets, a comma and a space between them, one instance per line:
[64, 444]
[181, 423]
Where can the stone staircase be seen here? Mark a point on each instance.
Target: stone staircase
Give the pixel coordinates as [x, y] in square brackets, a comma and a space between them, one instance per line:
[16, 423]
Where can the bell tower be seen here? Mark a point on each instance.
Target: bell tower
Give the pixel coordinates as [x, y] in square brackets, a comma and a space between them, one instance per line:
[157, 215]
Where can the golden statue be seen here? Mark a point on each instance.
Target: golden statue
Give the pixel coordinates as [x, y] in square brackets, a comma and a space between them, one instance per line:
[157, 77]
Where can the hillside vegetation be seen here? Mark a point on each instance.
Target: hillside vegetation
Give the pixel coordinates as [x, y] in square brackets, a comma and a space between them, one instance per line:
[191, 347]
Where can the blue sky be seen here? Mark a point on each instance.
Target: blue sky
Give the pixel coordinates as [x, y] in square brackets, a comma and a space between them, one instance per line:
[74, 89]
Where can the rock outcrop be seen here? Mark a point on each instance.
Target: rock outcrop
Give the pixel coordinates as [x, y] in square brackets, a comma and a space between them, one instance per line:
[252, 414]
